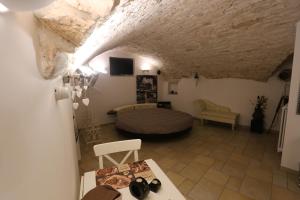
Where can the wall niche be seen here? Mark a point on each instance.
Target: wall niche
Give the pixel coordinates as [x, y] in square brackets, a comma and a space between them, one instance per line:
[173, 87]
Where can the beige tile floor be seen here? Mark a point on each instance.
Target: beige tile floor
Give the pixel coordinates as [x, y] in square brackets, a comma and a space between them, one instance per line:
[214, 163]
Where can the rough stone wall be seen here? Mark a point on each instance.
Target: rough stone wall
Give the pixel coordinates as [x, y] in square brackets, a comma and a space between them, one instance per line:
[63, 26]
[67, 21]
[216, 38]
[50, 47]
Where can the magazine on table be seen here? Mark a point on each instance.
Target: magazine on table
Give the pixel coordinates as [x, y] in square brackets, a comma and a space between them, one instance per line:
[121, 176]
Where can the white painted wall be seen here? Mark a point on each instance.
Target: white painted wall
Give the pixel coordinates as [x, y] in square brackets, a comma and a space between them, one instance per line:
[291, 148]
[111, 91]
[234, 93]
[37, 143]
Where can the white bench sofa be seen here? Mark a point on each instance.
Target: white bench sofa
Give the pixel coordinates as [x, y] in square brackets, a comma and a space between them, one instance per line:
[207, 110]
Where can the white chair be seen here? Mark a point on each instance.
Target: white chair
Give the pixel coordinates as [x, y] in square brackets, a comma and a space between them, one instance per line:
[81, 188]
[132, 146]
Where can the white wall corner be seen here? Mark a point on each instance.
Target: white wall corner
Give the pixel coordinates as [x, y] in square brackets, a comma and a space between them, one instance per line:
[291, 150]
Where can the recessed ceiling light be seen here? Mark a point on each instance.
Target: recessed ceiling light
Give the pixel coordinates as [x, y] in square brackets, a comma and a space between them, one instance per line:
[3, 8]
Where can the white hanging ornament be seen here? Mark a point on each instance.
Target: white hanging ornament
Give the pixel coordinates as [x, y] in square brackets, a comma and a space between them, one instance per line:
[77, 87]
[86, 101]
[79, 93]
[75, 105]
[73, 95]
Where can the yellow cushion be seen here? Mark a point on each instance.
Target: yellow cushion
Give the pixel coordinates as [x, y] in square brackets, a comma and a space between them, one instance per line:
[214, 114]
[124, 108]
[134, 106]
[145, 105]
[214, 107]
[200, 105]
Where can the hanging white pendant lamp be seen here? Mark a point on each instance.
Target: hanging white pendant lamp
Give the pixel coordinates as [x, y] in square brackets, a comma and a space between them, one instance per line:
[75, 105]
[86, 101]
[79, 93]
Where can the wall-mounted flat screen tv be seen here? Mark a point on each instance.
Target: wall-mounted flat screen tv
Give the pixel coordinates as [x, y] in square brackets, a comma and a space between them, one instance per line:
[121, 66]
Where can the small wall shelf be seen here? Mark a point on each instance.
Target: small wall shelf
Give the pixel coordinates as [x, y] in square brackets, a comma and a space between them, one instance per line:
[173, 87]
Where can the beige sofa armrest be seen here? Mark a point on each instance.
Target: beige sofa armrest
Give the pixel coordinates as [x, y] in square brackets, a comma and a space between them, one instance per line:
[224, 109]
[200, 105]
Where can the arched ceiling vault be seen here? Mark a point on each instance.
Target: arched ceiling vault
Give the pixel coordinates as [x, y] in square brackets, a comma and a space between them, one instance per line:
[216, 38]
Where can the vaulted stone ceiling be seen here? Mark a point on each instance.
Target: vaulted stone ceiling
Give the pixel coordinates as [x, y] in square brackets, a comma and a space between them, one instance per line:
[216, 38]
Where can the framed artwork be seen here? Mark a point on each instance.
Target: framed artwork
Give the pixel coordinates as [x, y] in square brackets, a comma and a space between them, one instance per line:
[146, 89]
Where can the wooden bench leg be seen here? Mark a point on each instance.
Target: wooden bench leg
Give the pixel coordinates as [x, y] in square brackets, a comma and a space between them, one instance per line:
[202, 122]
[236, 122]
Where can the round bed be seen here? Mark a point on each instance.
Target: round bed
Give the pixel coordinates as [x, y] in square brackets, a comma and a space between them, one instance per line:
[154, 121]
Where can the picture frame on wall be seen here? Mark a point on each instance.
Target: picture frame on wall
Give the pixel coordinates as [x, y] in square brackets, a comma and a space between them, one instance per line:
[146, 89]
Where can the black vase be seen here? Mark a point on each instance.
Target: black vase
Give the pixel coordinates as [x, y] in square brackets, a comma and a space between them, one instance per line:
[257, 123]
[258, 114]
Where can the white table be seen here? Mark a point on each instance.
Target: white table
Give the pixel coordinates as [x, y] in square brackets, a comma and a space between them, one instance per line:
[168, 191]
